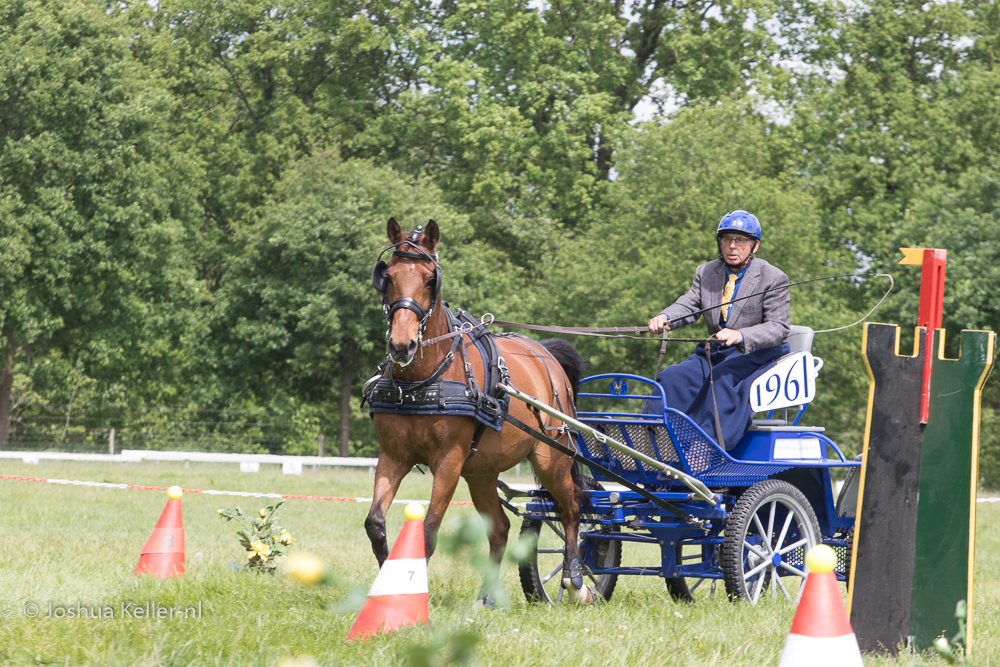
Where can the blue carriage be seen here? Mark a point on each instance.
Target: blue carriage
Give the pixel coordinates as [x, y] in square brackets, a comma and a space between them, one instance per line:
[746, 516]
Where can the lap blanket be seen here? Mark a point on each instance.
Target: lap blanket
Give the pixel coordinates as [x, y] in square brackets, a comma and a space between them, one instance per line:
[687, 389]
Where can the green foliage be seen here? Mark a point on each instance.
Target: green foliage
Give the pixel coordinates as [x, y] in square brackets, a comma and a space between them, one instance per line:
[192, 192]
[90, 202]
[264, 540]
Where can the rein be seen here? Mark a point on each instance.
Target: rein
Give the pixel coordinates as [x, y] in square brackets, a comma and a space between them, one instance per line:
[641, 332]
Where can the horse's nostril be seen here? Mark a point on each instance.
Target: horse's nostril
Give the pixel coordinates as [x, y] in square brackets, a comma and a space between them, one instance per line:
[411, 346]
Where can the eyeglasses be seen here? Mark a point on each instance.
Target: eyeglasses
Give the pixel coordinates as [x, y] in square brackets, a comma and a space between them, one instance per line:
[738, 241]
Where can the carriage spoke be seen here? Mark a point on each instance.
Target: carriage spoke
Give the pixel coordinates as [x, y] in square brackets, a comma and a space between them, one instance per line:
[760, 587]
[559, 596]
[757, 552]
[556, 530]
[757, 569]
[696, 585]
[774, 589]
[784, 530]
[770, 521]
[794, 545]
[551, 574]
[765, 537]
[793, 570]
[782, 587]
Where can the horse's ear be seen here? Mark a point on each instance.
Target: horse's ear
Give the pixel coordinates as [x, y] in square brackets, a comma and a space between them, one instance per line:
[431, 236]
[394, 231]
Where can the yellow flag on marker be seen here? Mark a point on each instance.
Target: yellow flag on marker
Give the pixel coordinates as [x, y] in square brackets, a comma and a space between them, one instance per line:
[914, 256]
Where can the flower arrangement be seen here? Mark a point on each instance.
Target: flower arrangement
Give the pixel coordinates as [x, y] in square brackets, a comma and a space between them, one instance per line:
[264, 540]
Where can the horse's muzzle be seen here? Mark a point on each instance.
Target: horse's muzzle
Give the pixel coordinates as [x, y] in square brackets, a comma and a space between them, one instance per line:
[402, 354]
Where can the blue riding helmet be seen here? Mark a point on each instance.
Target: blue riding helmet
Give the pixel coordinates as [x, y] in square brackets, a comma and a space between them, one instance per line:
[740, 222]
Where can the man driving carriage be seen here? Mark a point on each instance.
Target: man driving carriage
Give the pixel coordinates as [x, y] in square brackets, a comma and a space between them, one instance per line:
[752, 331]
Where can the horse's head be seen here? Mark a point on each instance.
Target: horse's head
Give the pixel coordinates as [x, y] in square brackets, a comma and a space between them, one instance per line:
[411, 287]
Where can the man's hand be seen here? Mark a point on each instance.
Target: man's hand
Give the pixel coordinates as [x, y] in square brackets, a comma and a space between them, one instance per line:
[729, 337]
[659, 323]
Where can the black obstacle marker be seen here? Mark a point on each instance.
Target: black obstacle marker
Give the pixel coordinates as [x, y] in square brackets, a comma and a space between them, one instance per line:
[886, 524]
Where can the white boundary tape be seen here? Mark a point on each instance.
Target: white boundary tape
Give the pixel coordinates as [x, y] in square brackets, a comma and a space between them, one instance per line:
[137, 455]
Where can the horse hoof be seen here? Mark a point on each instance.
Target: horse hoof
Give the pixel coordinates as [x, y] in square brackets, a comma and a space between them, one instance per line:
[582, 595]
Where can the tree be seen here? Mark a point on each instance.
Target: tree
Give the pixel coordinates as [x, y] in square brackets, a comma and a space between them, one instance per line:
[675, 183]
[87, 200]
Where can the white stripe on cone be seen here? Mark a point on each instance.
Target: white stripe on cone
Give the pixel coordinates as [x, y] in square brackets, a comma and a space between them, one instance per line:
[401, 576]
[803, 651]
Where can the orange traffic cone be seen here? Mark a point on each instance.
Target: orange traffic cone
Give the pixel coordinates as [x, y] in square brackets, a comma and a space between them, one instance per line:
[163, 554]
[399, 595]
[821, 635]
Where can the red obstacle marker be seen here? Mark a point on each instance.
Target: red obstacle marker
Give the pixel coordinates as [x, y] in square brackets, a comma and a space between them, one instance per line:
[399, 595]
[163, 554]
[821, 635]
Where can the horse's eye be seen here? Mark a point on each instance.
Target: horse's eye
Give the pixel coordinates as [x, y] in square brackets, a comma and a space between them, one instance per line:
[429, 284]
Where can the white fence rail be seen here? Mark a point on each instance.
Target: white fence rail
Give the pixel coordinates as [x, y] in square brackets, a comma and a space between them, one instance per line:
[290, 465]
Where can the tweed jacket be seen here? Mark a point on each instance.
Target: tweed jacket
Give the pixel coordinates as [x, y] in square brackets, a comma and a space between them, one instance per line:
[763, 320]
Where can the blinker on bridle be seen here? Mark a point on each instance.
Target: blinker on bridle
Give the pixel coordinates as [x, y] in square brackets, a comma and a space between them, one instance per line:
[380, 280]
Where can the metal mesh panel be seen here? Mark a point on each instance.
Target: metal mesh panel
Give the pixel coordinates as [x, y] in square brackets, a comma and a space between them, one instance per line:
[843, 560]
[701, 453]
[595, 450]
[627, 461]
[639, 435]
[738, 474]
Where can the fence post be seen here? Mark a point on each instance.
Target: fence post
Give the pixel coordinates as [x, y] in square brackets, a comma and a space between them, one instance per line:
[322, 442]
[111, 442]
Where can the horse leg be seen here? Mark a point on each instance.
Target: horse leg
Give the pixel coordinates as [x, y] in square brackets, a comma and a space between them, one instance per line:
[555, 473]
[388, 474]
[447, 470]
[483, 490]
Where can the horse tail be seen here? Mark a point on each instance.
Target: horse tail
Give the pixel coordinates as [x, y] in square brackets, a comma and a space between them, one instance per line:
[570, 360]
[573, 365]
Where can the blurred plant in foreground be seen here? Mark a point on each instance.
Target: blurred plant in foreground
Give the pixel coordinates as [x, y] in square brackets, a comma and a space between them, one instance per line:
[954, 651]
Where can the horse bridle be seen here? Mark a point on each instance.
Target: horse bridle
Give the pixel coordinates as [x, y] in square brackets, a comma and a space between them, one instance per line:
[380, 281]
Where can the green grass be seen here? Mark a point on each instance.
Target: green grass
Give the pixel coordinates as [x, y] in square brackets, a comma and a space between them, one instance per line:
[64, 544]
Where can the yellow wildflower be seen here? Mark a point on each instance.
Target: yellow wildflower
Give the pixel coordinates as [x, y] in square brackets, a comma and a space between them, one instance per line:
[221, 511]
[286, 537]
[263, 512]
[305, 568]
[258, 548]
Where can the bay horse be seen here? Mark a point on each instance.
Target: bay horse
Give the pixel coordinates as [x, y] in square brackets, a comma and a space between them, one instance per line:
[550, 370]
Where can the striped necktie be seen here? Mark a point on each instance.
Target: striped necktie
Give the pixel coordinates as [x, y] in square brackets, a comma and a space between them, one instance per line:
[727, 296]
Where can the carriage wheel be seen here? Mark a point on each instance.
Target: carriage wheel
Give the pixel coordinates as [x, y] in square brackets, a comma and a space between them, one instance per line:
[768, 533]
[680, 589]
[541, 574]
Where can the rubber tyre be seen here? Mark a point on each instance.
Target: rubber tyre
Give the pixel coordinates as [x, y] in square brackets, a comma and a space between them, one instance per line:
[735, 559]
[678, 587]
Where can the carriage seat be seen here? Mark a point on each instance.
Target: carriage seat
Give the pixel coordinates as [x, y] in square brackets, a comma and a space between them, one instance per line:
[800, 339]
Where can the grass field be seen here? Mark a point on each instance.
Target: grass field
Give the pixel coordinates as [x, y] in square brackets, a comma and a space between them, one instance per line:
[70, 544]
